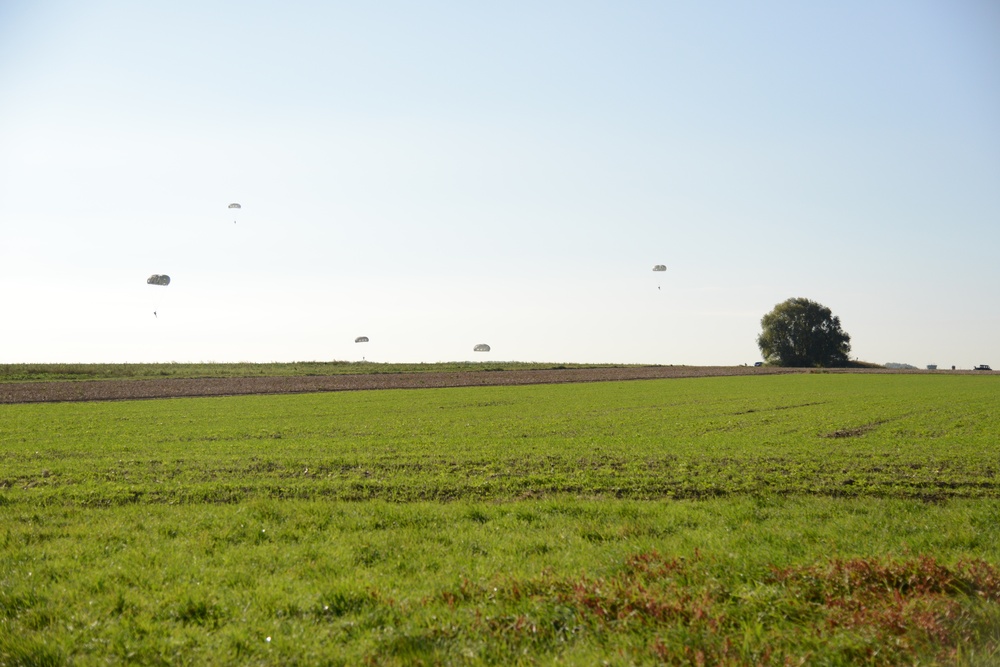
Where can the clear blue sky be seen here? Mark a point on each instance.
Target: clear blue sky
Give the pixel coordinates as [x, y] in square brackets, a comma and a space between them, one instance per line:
[439, 174]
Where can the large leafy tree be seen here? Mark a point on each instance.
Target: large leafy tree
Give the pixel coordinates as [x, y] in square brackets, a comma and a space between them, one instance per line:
[800, 332]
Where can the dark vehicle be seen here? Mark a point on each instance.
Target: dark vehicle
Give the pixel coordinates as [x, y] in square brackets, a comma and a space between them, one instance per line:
[982, 367]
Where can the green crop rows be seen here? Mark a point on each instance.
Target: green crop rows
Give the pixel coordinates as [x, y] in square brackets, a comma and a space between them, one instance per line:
[801, 519]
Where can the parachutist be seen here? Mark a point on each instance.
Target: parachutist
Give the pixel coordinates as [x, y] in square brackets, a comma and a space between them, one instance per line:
[155, 315]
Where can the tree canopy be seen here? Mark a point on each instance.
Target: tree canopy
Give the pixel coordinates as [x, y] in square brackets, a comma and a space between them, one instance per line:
[800, 332]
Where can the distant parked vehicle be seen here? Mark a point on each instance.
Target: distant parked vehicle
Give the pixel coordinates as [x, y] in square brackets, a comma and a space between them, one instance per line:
[982, 367]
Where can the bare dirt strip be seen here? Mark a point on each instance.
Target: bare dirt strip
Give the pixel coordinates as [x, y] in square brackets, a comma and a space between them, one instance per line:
[119, 390]
[111, 390]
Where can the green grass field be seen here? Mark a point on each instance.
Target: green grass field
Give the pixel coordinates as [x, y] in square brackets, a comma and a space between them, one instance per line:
[793, 519]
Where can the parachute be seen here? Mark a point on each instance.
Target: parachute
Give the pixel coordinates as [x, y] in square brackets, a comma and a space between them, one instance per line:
[158, 279]
[234, 205]
[482, 347]
[361, 339]
[658, 268]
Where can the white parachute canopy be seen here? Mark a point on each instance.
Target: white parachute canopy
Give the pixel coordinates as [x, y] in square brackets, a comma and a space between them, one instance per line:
[481, 347]
[235, 208]
[361, 339]
[660, 267]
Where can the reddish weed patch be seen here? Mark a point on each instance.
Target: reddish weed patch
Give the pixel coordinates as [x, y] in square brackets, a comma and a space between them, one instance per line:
[916, 603]
[692, 612]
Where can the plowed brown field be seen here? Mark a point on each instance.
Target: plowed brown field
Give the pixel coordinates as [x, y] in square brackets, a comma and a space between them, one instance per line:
[116, 390]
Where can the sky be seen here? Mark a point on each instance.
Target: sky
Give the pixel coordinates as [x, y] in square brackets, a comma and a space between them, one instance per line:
[440, 174]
